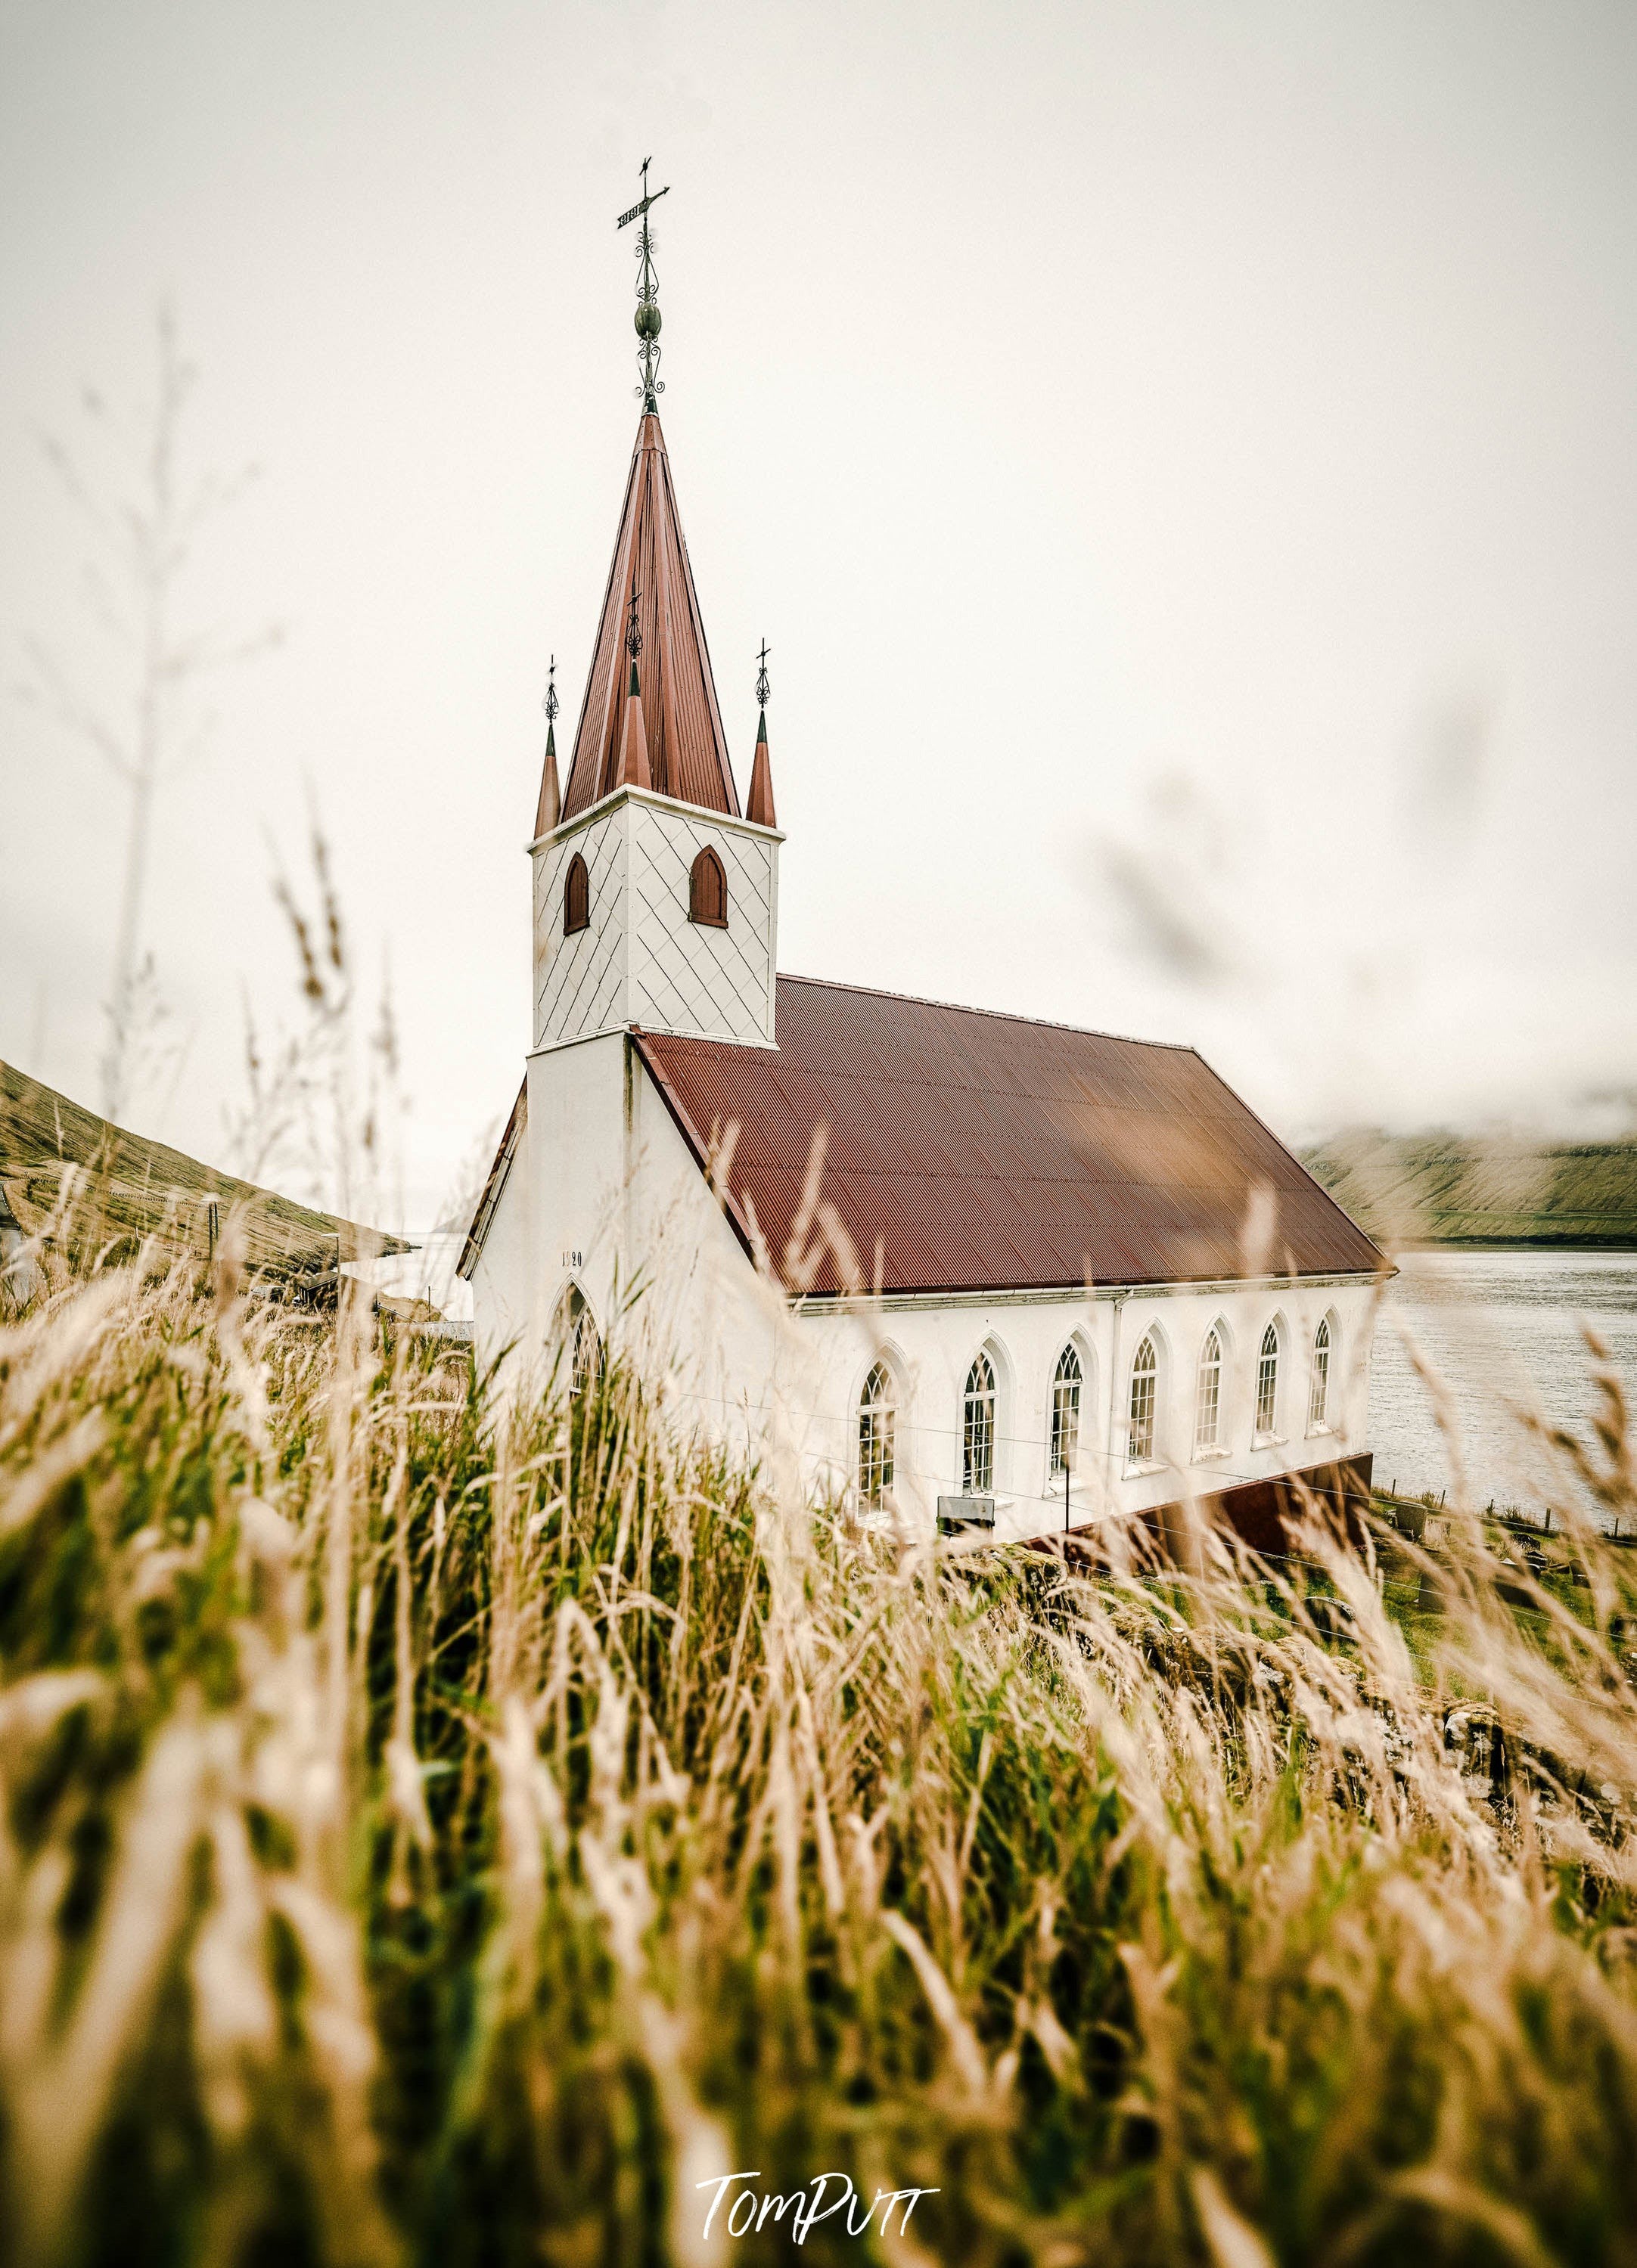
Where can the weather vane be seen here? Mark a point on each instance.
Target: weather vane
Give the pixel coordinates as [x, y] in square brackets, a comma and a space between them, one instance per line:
[549, 704]
[762, 687]
[633, 636]
[647, 294]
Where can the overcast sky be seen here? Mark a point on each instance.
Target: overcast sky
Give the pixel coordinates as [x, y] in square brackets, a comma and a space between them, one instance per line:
[1181, 457]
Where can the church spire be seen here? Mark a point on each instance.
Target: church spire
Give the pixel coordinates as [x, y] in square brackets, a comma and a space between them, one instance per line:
[759, 807]
[550, 807]
[685, 747]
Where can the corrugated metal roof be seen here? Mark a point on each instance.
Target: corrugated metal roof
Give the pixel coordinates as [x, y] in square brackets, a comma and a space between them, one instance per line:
[958, 1150]
[687, 747]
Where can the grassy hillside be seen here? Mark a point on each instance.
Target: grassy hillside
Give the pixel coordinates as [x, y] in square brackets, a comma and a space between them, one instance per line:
[427, 1838]
[69, 1176]
[1444, 1189]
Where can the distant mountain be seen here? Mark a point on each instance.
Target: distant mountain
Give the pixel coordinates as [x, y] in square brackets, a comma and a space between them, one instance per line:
[1455, 1189]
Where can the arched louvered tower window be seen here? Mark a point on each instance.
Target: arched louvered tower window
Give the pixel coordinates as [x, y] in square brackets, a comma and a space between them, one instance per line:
[876, 1427]
[1267, 1381]
[1066, 1387]
[707, 891]
[1208, 1395]
[1318, 1392]
[576, 896]
[978, 1429]
[1145, 1394]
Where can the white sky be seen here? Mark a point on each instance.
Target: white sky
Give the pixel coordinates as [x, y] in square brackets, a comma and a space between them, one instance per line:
[1181, 457]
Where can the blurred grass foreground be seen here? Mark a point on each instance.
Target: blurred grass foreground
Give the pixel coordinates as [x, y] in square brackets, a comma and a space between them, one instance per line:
[432, 1837]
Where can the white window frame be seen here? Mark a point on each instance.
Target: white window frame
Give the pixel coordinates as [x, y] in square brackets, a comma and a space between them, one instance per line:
[1209, 1375]
[1142, 1435]
[878, 1430]
[1267, 1387]
[1319, 1381]
[1068, 1388]
[978, 1406]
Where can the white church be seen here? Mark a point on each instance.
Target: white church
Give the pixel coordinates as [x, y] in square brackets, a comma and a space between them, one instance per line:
[1010, 1274]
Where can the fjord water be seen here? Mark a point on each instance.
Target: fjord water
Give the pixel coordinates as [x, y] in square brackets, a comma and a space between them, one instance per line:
[1500, 1331]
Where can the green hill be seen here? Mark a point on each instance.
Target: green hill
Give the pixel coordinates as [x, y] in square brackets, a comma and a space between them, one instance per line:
[1450, 1189]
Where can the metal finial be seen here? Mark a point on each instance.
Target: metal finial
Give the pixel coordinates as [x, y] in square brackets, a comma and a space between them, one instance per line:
[633, 633]
[762, 688]
[549, 704]
[647, 294]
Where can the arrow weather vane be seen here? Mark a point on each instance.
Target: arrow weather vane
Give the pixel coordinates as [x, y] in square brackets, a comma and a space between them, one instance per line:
[549, 704]
[647, 294]
[762, 688]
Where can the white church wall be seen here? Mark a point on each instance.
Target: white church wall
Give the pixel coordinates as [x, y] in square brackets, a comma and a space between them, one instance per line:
[502, 1277]
[578, 1190]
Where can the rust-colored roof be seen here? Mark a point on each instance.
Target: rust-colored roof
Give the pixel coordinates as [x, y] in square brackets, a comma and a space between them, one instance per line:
[969, 1151]
[687, 747]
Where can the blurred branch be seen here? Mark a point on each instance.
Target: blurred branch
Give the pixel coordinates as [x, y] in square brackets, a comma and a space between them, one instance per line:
[146, 536]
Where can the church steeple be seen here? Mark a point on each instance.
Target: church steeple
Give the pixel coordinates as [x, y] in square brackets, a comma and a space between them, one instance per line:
[759, 807]
[655, 900]
[650, 591]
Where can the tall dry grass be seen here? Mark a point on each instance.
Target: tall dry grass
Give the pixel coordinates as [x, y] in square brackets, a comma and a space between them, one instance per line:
[428, 1837]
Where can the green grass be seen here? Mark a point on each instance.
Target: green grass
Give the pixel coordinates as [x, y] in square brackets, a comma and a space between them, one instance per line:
[435, 1837]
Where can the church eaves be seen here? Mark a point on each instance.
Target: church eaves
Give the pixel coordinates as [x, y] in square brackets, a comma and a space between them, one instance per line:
[686, 747]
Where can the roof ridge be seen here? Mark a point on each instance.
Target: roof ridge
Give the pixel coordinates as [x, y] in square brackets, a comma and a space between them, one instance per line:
[999, 1015]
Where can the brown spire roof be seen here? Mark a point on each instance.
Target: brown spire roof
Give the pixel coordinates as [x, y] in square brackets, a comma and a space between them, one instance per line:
[686, 748]
[549, 808]
[759, 804]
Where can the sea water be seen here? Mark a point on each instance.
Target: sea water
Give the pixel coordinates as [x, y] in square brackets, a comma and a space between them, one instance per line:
[1503, 1332]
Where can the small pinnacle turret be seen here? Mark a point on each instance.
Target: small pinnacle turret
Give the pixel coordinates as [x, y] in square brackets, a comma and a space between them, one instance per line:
[759, 805]
[550, 807]
[632, 769]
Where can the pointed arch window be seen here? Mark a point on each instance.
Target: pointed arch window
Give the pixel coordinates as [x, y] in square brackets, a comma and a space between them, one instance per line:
[977, 1428]
[1318, 1392]
[1065, 1390]
[576, 896]
[1208, 1395]
[877, 1428]
[576, 1331]
[1144, 1396]
[707, 891]
[1267, 1381]
[586, 1360]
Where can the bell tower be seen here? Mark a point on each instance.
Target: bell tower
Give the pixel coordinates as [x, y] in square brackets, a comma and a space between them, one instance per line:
[655, 897]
